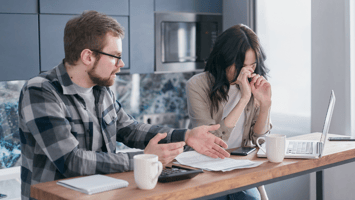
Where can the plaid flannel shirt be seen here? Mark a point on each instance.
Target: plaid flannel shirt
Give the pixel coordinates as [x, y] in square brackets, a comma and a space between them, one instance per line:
[57, 133]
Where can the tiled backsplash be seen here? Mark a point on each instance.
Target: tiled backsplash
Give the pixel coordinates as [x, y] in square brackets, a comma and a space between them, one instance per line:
[138, 94]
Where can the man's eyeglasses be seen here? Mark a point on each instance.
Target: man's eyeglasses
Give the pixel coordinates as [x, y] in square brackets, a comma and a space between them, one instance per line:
[103, 53]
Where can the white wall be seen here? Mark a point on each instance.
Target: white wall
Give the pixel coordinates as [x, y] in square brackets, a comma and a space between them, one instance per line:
[331, 70]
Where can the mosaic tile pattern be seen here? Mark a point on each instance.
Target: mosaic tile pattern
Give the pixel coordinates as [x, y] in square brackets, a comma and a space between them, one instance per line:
[155, 93]
[9, 133]
[138, 94]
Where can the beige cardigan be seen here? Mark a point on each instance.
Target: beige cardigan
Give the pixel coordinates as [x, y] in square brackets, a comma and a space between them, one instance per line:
[199, 109]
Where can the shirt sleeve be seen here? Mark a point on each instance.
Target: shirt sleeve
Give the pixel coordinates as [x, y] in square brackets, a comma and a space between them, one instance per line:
[46, 120]
[138, 135]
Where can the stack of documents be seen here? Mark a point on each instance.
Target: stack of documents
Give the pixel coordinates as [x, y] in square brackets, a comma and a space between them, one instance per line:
[197, 160]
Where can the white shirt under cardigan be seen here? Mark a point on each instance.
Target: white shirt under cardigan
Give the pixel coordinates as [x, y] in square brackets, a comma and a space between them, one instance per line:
[235, 139]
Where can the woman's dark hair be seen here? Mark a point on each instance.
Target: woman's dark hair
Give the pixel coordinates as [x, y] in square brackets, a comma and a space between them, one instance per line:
[230, 48]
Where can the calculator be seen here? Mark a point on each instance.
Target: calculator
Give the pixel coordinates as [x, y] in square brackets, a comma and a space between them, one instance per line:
[177, 173]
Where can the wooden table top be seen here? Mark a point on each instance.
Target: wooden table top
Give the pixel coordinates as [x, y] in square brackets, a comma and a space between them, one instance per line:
[208, 182]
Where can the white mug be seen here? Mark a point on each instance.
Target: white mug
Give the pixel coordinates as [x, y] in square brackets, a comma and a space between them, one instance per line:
[147, 169]
[275, 147]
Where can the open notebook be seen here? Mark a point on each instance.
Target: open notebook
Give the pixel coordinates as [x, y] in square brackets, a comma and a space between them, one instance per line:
[93, 184]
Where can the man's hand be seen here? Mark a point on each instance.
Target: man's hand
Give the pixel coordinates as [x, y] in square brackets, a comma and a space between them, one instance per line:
[205, 142]
[165, 152]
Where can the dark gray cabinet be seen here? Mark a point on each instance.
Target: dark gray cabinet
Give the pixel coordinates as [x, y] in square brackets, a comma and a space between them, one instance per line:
[142, 26]
[51, 39]
[194, 6]
[19, 6]
[31, 34]
[142, 36]
[18, 46]
[109, 7]
[237, 12]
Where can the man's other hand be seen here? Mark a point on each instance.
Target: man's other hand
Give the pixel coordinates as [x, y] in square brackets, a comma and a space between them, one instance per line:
[205, 142]
[165, 152]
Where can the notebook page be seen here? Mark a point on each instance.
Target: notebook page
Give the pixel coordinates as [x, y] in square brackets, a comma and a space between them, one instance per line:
[197, 160]
[93, 184]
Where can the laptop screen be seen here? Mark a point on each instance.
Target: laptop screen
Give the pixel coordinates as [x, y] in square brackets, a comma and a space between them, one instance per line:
[328, 118]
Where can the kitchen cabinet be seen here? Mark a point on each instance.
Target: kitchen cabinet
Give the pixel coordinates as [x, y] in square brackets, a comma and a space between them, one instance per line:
[51, 39]
[109, 7]
[142, 36]
[142, 26]
[194, 6]
[19, 6]
[18, 46]
[43, 21]
[236, 12]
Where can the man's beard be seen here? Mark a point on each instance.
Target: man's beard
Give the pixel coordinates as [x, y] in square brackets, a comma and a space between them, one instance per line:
[97, 80]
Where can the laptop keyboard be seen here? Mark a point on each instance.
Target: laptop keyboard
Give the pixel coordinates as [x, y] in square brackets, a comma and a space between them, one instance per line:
[300, 147]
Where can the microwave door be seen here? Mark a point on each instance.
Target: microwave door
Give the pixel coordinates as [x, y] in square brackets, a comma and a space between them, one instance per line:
[178, 42]
[207, 34]
[183, 41]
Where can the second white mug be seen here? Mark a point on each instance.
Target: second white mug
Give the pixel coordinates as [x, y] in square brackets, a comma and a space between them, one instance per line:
[147, 169]
[275, 147]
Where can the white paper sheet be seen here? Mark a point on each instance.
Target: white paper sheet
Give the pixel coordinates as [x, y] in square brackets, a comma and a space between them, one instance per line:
[197, 160]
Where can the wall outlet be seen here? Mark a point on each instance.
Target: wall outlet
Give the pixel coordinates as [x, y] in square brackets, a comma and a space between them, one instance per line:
[159, 119]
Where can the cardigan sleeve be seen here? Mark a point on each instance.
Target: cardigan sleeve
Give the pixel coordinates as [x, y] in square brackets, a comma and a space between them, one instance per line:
[199, 107]
[254, 136]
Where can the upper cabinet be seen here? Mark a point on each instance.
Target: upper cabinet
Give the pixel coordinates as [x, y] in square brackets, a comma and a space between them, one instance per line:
[142, 27]
[238, 12]
[52, 34]
[19, 6]
[142, 36]
[109, 7]
[32, 31]
[18, 39]
[54, 16]
[18, 46]
[51, 39]
[193, 6]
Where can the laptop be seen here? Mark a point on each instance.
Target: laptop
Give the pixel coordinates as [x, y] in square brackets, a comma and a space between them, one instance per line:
[310, 149]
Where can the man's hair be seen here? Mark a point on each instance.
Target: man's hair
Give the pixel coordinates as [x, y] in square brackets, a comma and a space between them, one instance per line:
[88, 31]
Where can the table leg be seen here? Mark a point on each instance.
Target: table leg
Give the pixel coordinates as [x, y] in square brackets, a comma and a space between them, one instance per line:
[319, 185]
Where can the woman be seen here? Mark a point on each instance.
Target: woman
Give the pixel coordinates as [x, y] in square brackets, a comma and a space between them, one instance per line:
[233, 92]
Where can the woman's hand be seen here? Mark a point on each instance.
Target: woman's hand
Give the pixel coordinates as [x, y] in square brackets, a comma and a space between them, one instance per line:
[242, 81]
[261, 90]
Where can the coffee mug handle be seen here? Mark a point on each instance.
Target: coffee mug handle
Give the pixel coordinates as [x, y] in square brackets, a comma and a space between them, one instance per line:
[160, 168]
[257, 143]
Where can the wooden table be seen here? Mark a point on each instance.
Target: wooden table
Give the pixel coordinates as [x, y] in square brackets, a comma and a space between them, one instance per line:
[213, 184]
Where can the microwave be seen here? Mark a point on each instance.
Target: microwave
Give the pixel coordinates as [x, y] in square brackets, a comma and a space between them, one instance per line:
[183, 41]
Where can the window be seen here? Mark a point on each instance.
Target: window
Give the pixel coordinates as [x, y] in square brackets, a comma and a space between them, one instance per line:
[352, 63]
[284, 29]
